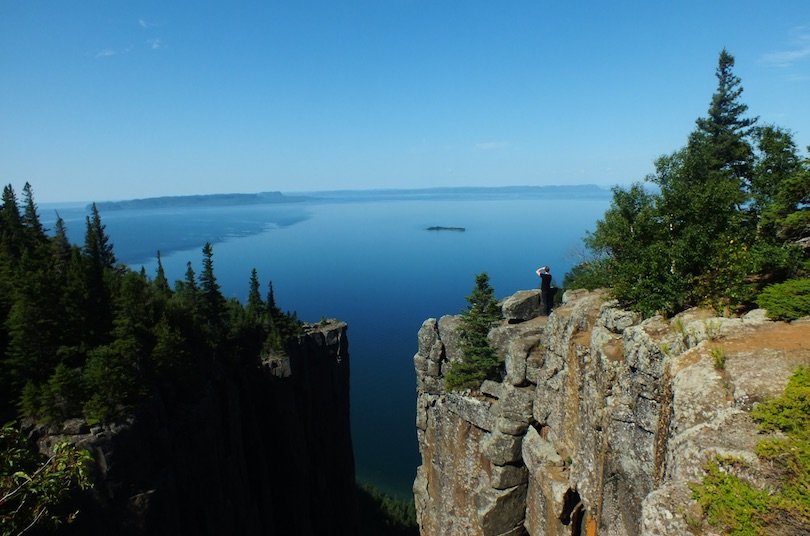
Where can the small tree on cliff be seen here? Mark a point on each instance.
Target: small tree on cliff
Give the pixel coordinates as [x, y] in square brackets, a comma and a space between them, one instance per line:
[479, 361]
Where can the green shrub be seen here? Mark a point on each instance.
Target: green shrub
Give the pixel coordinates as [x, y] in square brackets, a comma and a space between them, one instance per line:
[718, 357]
[739, 507]
[589, 275]
[731, 502]
[789, 413]
[786, 301]
[36, 490]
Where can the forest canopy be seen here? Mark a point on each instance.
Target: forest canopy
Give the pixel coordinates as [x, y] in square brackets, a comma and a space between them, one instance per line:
[82, 335]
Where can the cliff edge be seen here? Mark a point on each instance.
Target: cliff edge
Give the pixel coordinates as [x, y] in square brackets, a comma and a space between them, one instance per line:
[600, 422]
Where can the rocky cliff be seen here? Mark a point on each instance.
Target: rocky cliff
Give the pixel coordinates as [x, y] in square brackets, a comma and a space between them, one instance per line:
[262, 450]
[601, 419]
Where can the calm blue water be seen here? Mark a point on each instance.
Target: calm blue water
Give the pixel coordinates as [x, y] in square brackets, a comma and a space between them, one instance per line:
[375, 266]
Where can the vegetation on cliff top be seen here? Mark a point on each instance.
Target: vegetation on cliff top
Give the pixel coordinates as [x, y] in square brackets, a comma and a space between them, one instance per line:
[740, 508]
[84, 336]
[480, 361]
[730, 208]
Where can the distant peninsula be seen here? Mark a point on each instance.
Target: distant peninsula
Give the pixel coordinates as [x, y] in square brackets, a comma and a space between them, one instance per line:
[577, 191]
[440, 228]
[209, 200]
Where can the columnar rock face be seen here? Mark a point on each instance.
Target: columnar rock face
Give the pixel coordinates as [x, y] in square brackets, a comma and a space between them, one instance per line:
[599, 422]
[260, 451]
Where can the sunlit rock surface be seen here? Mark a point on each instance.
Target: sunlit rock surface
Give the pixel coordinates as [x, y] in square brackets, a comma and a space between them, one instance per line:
[600, 421]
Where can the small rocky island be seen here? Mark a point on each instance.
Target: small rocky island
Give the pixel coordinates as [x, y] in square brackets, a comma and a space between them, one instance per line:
[440, 228]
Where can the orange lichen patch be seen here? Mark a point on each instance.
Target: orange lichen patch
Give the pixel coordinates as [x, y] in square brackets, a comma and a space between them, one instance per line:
[590, 526]
[794, 337]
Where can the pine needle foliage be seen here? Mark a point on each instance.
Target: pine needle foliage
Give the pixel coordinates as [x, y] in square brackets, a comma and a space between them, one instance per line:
[786, 301]
[479, 362]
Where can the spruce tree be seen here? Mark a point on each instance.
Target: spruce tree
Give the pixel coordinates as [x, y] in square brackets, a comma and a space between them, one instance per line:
[212, 303]
[479, 362]
[255, 304]
[60, 247]
[726, 126]
[97, 260]
[34, 230]
[97, 243]
[161, 283]
[11, 227]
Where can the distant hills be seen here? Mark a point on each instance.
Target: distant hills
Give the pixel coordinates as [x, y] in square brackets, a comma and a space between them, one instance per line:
[579, 191]
[206, 200]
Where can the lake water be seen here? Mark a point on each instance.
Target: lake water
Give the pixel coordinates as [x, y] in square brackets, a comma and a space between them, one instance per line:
[372, 264]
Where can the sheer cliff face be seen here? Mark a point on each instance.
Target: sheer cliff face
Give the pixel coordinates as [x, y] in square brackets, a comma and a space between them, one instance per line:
[600, 422]
[260, 451]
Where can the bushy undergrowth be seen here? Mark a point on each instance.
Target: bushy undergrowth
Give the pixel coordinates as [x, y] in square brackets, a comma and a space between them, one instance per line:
[786, 301]
[36, 490]
[384, 515]
[740, 508]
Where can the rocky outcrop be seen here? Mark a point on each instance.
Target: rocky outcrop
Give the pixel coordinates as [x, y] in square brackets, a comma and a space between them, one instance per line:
[600, 421]
[261, 451]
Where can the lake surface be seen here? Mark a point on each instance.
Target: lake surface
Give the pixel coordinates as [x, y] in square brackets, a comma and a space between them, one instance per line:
[372, 264]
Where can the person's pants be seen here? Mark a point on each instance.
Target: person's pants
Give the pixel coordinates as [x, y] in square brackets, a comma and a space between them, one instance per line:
[547, 297]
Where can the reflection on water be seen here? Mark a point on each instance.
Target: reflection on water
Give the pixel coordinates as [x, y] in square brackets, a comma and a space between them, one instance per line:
[138, 234]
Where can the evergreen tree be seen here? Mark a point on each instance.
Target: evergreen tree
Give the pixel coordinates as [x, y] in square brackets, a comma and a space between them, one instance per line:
[97, 244]
[725, 125]
[113, 380]
[95, 261]
[480, 361]
[62, 396]
[190, 281]
[255, 304]
[34, 231]
[211, 299]
[161, 283]
[60, 247]
[34, 326]
[170, 356]
[11, 228]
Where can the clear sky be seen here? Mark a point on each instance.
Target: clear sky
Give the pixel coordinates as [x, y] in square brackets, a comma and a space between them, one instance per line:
[118, 99]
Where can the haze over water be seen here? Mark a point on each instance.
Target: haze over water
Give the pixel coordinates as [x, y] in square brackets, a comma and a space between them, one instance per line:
[372, 264]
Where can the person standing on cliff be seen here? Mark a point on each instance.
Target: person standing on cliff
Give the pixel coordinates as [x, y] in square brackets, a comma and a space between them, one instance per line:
[546, 294]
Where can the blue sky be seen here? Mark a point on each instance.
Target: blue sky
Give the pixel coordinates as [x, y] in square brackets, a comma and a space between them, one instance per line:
[114, 99]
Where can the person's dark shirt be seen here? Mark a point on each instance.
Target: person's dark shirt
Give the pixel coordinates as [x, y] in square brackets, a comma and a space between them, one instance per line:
[545, 281]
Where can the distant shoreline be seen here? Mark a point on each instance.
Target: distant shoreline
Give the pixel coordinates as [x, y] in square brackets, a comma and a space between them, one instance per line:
[580, 191]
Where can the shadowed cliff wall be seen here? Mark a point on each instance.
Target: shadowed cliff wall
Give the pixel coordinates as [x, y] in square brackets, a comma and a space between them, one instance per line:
[261, 451]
